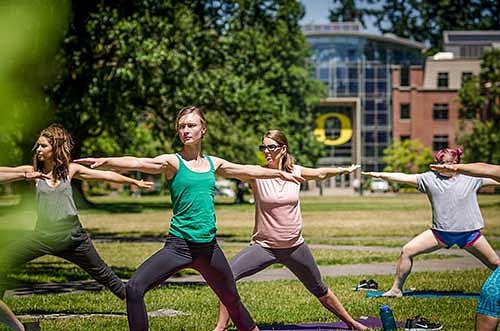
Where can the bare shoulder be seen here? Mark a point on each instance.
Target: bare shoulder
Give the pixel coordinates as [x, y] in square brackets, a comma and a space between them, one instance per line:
[170, 161]
[218, 161]
[75, 168]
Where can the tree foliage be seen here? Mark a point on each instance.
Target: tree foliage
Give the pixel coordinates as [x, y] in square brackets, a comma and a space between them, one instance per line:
[408, 156]
[29, 36]
[425, 20]
[480, 101]
[245, 62]
[350, 11]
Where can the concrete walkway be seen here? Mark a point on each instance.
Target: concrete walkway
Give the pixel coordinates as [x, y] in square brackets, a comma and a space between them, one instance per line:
[464, 261]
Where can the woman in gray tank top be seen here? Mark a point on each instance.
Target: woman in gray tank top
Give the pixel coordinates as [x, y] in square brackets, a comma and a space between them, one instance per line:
[456, 218]
[58, 230]
[488, 306]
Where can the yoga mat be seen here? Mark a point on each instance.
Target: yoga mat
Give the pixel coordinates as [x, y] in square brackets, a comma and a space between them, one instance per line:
[371, 322]
[428, 294]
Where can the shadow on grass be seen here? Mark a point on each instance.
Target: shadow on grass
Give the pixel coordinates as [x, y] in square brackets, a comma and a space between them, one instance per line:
[74, 279]
[142, 236]
[140, 206]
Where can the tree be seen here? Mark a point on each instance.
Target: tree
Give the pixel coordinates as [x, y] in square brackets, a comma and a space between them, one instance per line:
[480, 100]
[349, 11]
[425, 20]
[244, 62]
[29, 35]
[408, 156]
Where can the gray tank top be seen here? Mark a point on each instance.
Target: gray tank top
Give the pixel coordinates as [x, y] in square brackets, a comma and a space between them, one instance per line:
[56, 208]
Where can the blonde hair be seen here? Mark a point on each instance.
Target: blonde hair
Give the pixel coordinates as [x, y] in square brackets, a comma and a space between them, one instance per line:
[189, 110]
[62, 144]
[280, 138]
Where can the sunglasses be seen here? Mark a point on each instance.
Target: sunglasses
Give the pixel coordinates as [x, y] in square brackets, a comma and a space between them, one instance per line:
[271, 147]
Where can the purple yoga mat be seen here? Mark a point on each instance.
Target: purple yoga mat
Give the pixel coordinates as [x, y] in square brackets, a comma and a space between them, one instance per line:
[372, 322]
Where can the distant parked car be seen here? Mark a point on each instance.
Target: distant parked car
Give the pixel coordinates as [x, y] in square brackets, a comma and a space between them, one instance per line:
[224, 187]
[379, 185]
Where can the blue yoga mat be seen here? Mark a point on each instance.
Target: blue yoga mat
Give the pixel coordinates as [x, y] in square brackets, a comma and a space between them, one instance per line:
[371, 322]
[428, 294]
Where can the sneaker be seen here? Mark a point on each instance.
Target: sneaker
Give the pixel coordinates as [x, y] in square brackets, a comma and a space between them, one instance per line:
[367, 285]
[372, 285]
[421, 324]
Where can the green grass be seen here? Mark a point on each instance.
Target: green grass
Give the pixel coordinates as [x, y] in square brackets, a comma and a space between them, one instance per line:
[372, 220]
[124, 258]
[293, 304]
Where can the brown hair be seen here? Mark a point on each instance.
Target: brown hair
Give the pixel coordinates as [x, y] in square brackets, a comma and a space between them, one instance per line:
[280, 138]
[189, 110]
[61, 143]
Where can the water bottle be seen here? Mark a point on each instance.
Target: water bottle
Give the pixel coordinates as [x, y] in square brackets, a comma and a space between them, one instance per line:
[388, 322]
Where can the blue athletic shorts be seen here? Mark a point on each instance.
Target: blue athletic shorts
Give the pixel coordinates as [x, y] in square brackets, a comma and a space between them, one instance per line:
[489, 300]
[462, 239]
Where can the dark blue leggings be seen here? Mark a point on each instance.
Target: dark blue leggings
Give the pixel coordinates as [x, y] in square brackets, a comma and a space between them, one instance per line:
[177, 254]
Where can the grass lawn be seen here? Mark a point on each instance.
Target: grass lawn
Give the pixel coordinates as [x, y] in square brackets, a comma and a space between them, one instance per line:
[371, 220]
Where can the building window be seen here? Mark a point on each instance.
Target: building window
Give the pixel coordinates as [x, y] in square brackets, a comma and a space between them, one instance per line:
[442, 79]
[404, 78]
[440, 111]
[404, 111]
[466, 75]
[404, 137]
[439, 142]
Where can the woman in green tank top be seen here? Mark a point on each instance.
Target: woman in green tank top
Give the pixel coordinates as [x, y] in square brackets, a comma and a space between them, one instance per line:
[191, 240]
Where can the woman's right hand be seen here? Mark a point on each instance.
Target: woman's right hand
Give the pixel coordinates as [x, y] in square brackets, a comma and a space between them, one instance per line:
[35, 175]
[291, 177]
[92, 162]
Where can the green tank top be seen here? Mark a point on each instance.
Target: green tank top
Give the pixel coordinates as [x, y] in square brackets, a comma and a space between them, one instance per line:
[193, 203]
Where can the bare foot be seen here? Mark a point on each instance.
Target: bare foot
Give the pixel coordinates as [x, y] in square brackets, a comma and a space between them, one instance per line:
[358, 326]
[218, 328]
[393, 293]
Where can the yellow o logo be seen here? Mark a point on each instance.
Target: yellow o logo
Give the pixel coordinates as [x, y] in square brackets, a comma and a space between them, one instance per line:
[345, 129]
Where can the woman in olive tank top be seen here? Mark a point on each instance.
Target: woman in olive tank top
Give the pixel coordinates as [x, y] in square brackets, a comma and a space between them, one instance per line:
[191, 241]
[58, 230]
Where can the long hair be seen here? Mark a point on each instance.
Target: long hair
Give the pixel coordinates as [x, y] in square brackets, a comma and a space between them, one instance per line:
[189, 110]
[456, 153]
[280, 138]
[61, 143]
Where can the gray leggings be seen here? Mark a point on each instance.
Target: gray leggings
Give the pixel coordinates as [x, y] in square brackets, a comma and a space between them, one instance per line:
[178, 254]
[298, 259]
[81, 252]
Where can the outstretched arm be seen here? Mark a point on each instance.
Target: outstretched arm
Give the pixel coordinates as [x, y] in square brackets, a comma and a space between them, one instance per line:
[478, 169]
[84, 173]
[148, 165]
[323, 173]
[399, 177]
[13, 174]
[246, 172]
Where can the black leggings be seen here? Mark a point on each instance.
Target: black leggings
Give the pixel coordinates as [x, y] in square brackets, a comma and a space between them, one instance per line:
[80, 252]
[177, 254]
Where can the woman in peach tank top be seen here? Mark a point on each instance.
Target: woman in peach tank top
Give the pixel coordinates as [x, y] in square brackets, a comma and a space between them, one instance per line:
[277, 235]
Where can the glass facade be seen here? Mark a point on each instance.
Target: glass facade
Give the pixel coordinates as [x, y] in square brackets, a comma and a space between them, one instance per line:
[358, 65]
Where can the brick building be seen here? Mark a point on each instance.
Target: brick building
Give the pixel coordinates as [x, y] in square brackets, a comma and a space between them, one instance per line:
[425, 98]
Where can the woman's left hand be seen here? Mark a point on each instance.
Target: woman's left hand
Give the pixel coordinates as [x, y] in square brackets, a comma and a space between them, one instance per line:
[144, 185]
[352, 168]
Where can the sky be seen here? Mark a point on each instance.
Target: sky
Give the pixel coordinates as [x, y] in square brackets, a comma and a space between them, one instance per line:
[317, 11]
